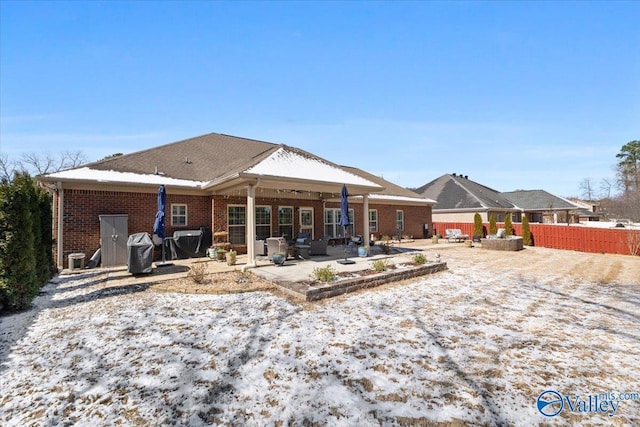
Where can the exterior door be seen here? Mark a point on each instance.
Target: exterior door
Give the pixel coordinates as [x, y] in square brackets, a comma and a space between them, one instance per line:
[113, 240]
[306, 221]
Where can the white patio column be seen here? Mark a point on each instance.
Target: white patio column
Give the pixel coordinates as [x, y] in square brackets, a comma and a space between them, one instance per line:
[365, 207]
[60, 239]
[251, 227]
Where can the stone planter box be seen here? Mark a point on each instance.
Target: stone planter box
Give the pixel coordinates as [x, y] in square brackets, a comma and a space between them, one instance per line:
[511, 243]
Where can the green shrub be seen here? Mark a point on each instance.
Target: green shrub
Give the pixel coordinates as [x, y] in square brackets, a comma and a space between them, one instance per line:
[493, 228]
[526, 232]
[419, 258]
[508, 229]
[380, 265]
[18, 277]
[324, 274]
[477, 225]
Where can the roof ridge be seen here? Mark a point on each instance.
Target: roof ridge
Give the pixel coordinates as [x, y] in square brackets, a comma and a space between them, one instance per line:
[469, 191]
[181, 141]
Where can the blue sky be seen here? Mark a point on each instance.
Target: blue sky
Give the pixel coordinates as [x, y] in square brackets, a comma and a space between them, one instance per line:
[517, 95]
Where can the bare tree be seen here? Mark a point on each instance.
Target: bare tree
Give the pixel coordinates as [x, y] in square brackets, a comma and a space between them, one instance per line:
[605, 187]
[586, 186]
[7, 167]
[44, 163]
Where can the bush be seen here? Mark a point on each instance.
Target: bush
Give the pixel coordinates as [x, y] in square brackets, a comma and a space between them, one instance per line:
[508, 229]
[324, 274]
[419, 258]
[198, 272]
[19, 282]
[477, 225]
[493, 228]
[380, 265]
[526, 232]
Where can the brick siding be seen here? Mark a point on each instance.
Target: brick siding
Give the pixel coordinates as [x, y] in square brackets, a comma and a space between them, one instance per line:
[82, 209]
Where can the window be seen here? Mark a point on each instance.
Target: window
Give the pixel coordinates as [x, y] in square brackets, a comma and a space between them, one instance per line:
[332, 225]
[285, 221]
[263, 222]
[373, 221]
[400, 220]
[237, 222]
[306, 221]
[178, 215]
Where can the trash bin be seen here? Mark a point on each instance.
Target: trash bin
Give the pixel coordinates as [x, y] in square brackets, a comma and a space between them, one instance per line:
[76, 261]
[140, 253]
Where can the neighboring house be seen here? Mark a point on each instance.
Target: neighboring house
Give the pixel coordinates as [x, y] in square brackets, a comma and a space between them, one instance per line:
[459, 198]
[588, 210]
[542, 206]
[250, 189]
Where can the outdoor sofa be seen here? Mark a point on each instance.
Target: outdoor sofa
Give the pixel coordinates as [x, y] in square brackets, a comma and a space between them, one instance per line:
[455, 235]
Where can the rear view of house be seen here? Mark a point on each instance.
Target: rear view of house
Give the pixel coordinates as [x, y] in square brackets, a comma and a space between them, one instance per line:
[249, 189]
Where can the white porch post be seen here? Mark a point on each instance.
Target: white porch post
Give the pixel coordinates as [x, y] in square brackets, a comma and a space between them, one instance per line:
[365, 208]
[251, 227]
[60, 254]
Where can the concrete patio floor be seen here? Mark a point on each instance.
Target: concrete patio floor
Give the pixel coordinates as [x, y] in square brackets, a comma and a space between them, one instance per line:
[293, 272]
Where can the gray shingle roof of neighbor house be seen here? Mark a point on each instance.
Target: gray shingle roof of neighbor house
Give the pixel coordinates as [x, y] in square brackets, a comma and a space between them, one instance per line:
[538, 200]
[453, 191]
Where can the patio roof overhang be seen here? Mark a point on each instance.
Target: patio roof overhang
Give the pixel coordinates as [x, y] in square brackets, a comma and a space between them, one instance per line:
[284, 183]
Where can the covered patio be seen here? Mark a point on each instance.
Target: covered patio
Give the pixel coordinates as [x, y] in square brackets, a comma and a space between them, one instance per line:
[296, 174]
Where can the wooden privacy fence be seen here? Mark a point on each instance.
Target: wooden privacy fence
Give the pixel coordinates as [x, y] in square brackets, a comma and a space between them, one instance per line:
[562, 236]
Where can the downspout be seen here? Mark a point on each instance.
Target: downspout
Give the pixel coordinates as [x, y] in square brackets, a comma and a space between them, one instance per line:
[251, 228]
[60, 260]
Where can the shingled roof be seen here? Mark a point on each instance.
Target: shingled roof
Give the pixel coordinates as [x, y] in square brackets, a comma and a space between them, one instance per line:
[538, 200]
[202, 158]
[216, 162]
[458, 192]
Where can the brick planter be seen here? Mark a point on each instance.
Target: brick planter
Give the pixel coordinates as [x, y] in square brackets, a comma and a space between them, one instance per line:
[511, 243]
[318, 292]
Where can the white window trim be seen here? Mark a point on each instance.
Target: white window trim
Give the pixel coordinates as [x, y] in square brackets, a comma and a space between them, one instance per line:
[335, 225]
[229, 225]
[400, 211]
[313, 219]
[293, 219]
[186, 215]
[270, 219]
[376, 221]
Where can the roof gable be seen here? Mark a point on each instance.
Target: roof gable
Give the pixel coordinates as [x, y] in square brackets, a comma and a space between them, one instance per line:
[456, 192]
[292, 163]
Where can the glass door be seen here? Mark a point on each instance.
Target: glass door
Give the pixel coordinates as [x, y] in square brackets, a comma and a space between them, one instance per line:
[306, 221]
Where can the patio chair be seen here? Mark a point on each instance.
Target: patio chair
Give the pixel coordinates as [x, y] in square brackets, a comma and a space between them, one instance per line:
[499, 235]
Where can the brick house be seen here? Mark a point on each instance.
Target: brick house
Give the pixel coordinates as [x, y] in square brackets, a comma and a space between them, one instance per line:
[250, 189]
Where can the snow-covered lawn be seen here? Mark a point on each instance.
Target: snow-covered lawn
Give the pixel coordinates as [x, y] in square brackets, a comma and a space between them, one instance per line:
[460, 347]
